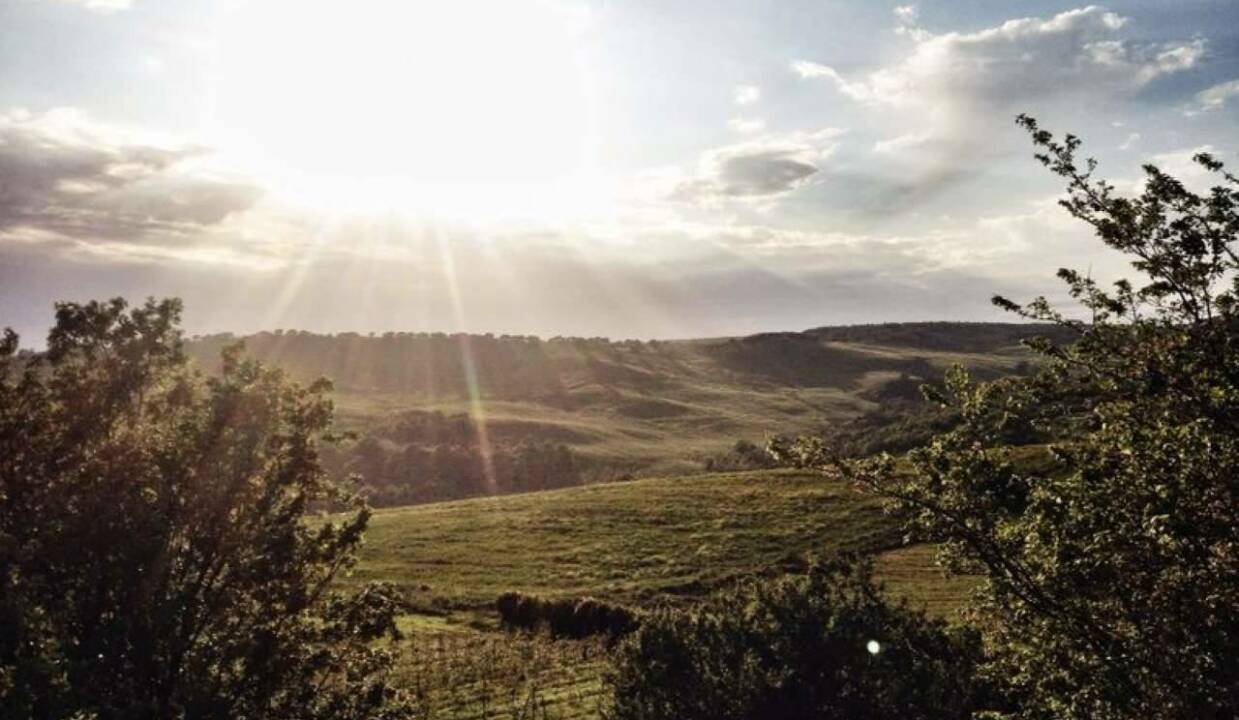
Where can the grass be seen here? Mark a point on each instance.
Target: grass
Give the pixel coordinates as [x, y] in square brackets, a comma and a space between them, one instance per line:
[474, 675]
[641, 542]
[621, 429]
[662, 540]
[910, 573]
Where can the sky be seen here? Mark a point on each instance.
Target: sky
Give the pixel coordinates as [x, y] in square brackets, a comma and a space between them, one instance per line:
[635, 168]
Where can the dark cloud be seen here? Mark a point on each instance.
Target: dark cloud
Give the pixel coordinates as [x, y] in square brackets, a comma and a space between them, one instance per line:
[762, 173]
[59, 178]
[761, 168]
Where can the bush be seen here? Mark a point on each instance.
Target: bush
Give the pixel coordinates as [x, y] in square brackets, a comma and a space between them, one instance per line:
[590, 613]
[566, 617]
[530, 611]
[507, 605]
[561, 619]
[823, 645]
[616, 621]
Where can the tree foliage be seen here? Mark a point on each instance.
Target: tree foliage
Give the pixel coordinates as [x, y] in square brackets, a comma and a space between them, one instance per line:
[158, 558]
[432, 457]
[825, 646]
[565, 617]
[1112, 576]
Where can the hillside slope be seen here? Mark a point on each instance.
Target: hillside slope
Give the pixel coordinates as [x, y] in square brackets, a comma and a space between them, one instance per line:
[452, 416]
[639, 543]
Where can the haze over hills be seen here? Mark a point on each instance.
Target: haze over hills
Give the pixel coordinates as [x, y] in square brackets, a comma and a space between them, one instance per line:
[480, 414]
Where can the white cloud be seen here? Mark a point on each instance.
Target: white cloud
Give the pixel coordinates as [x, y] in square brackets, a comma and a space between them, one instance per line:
[102, 6]
[856, 90]
[746, 125]
[906, 14]
[1130, 142]
[902, 142]
[907, 23]
[746, 94]
[1216, 97]
[1022, 58]
[954, 94]
[1172, 59]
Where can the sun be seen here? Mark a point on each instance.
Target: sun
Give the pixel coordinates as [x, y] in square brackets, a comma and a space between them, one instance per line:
[464, 103]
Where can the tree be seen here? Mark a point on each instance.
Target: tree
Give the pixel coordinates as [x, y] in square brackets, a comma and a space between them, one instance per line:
[825, 646]
[159, 557]
[1112, 575]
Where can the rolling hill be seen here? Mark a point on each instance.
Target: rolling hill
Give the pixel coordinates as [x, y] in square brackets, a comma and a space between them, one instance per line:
[641, 543]
[619, 409]
[426, 405]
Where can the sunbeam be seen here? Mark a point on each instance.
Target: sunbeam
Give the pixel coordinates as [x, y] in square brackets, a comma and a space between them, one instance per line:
[477, 409]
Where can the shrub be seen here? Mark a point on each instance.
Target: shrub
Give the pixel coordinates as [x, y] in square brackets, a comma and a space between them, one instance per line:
[530, 611]
[567, 617]
[561, 618]
[803, 647]
[590, 613]
[507, 605]
[616, 621]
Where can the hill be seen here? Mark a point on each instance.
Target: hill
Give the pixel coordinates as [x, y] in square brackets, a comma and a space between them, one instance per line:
[640, 543]
[451, 416]
[637, 543]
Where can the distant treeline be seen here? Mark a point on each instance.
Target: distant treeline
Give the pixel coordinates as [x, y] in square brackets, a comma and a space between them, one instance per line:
[977, 337]
[431, 364]
[442, 365]
[429, 457]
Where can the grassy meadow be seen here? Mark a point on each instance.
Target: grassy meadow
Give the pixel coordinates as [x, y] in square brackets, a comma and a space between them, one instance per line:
[640, 543]
[637, 543]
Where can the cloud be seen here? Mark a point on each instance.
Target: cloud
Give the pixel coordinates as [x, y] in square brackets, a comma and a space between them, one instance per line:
[1218, 96]
[761, 168]
[902, 142]
[1009, 64]
[62, 176]
[746, 94]
[951, 98]
[746, 125]
[810, 70]
[907, 19]
[102, 6]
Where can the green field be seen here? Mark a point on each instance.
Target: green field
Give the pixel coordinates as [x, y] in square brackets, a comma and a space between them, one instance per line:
[642, 543]
[637, 542]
